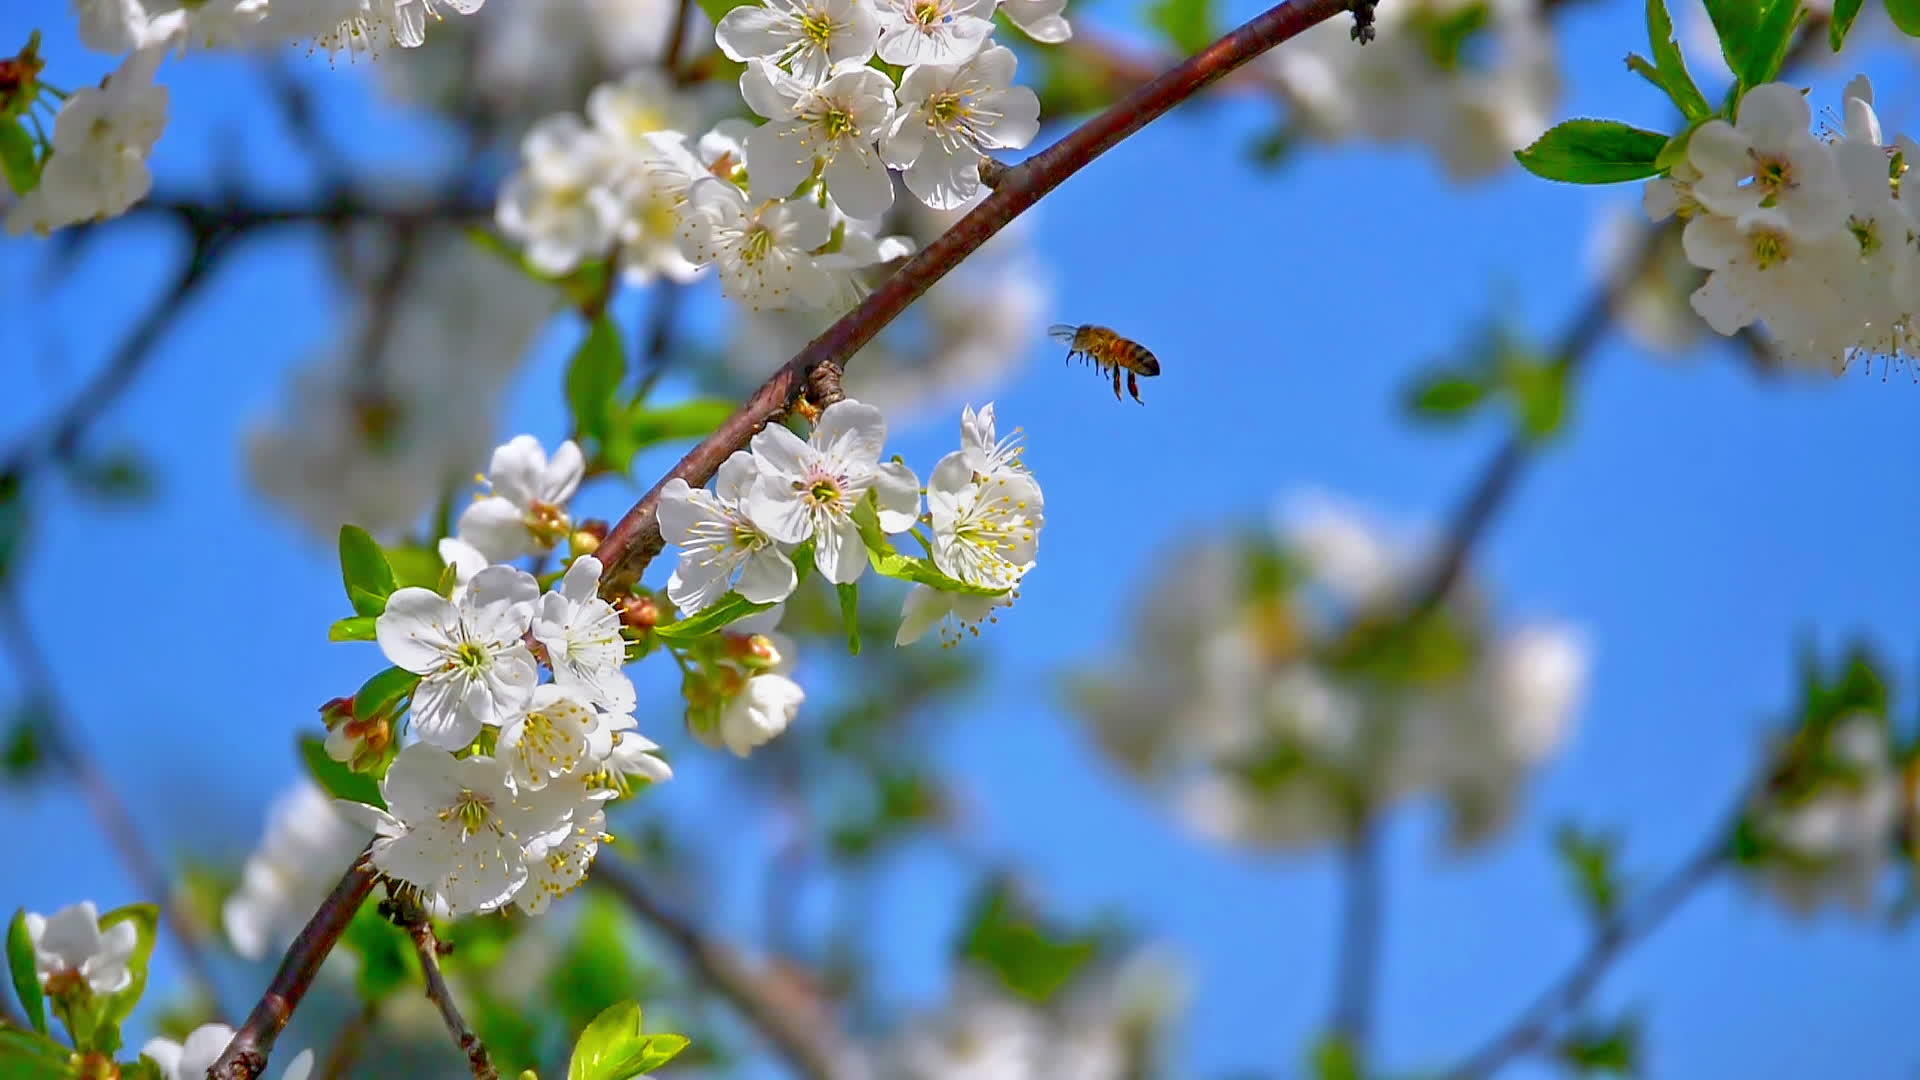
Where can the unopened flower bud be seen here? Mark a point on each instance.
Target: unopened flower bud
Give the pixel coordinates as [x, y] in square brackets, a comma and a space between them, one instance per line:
[587, 536]
[756, 652]
[336, 712]
[639, 612]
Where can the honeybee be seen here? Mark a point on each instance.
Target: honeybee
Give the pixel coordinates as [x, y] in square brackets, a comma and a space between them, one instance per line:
[1103, 348]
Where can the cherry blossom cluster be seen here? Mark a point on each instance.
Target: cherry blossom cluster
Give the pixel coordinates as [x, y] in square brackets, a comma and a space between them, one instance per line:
[1804, 232]
[356, 27]
[787, 208]
[1474, 80]
[832, 494]
[1266, 699]
[1831, 838]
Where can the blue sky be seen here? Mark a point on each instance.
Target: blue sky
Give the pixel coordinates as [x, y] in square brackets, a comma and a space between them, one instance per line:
[1696, 522]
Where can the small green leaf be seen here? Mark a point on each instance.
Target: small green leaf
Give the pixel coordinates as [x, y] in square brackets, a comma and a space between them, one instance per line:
[1754, 34]
[729, 608]
[1188, 25]
[1540, 393]
[1446, 395]
[353, 628]
[17, 157]
[890, 563]
[593, 378]
[27, 1055]
[1671, 65]
[1905, 15]
[614, 1048]
[13, 521]
[1334, 1059]
[26, 976]
[335, 778]
[364, 571]
[384, 691]
[1844, 12]
[1602, 1048]
[1593, 152]
[415, 566]
[1590, 860]
[145, 919]
[1029, 960]
[21, 754]
[114, 476]
[850, 613]
[1675, 151]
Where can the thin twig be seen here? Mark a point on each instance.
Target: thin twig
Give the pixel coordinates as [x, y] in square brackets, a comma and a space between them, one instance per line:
[247, 1054]
[1568, 993]
[56, 732]
[348, 1043]
[1359, 957]
[427, 948]
[808, 1044]
[676, 44]
[636, 538]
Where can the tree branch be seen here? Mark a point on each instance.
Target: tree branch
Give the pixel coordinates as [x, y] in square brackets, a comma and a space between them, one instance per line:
[635, 540]
[1359, 964]
[427, 947]
[809, 1045]
[1610, 943]
[247, 1054]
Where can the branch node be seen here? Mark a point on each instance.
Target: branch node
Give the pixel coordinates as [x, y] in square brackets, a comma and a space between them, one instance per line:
[993, 173]
[1363, 30]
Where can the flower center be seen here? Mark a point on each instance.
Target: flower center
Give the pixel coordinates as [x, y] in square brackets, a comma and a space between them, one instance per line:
[1769, 247]
[471, 658]
[1772, 175]
[926, 14]
[1866, 233]
[548, 523]
[946, 107]
[837, 123]
[471, 809]
[824, 493]
[746, 536]
[756, 245]
[817, 27]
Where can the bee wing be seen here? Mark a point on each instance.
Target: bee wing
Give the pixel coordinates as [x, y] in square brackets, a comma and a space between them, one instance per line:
[1063, 332]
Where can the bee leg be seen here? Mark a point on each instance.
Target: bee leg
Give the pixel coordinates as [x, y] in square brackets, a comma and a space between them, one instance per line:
[1116, 382]
[1133, 386]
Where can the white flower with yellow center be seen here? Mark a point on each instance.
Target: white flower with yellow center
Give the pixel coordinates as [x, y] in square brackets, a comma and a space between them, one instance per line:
[525, 512]
[102, 138]
[556, 734]
[557, 862]
[808, 490]
[721, 548]
[558, 205]
[949, 115]
[830, 128]
[475, 669]
[807, 37]
[933, 31]
[581, 634]
[764, 251]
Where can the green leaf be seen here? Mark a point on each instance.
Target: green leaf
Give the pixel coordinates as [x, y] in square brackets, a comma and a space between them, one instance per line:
[1675, 151]
[27, 1055]
[1841, 21]
[415, 566]
[850, 614]
[114, 476]
[1007, 941]
[614, 1048]
[1188, 25]
[1671, 66]
[13, 521]
[1446, 395]
[383, 691]
[1905, 15]
[335, 778]
[1754, 35]
[115, 1008]
[353, 628]
[17, 156]
[594, 376]
[1593, 152]
[364, 571]
[387, 959]
[1334, 1059]
[1540, 393]
[727, 609]
[1602, 1048]
[1590, 860]
[890, 563]
[26, 977]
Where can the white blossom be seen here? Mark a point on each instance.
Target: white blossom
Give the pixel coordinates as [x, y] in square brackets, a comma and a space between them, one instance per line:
[581, 634]
[933, 31]
[299, 859]
[1042, 20]
[832, 127]
[557, 205]
[764, 251]
[1769, 159]
[950, 114]
[808, 490]
[558, 735]
[475, 669]
[761, 710]
[806, 37]
[70, 947]
[194, 1059]
[526, 510]
[101, 140]
[456, 829]
[721, 547]
[647, 172]
[632, 754]
[1835, 844]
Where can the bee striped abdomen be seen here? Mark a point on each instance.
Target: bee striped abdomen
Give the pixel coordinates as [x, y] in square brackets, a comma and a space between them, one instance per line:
[1104, 349]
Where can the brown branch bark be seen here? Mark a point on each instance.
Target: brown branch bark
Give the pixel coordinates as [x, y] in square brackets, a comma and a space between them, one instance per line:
[635, 539]
[427, 947]
[247, 1054]
[807, 1043]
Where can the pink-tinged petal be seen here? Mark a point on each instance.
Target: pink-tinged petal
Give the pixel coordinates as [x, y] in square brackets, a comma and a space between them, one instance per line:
[839, 552]
[782, 454]
[413, 631]
[851, 432]
[495, 526]
[897, 492]
[751, 31]
[767, 576]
